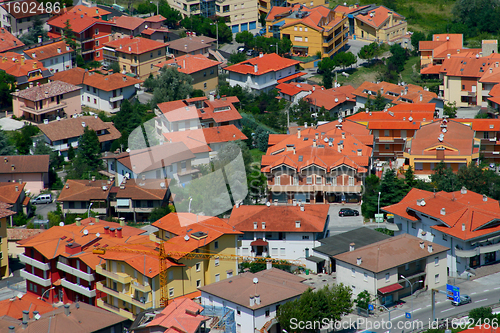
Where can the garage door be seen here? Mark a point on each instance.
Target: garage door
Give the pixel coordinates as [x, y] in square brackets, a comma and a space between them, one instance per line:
[281, 197]
[244, 26]
[253, 25]
[235, 29]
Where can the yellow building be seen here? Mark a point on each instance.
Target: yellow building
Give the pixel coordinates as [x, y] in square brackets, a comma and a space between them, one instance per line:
[5, 213]
[380, 24]
[135, 55]
[311, 30]
[132, 281]
[266, 5]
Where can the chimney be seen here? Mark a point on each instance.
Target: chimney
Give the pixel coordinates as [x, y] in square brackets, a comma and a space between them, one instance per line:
[93, 178]
[122, 221]
[119, 232]
[106, 230]
[78, 221]
[257, 299]
[35, 313]
[463, 226]
[485, 198]
[391, 19]
[255, 68]
[112, 232]
[314, 143]
[17, 188]
[22, 60]
[252, 300]
[463, 190]
[5, 159]
[443, 211]
[269, 264]
[316, 136]
[421, 244]
[261, 55]
[39, 39]
[421, 97]
[35, 65]
[360, 152]
[496, 64]
[25, 324]
[96, 219]
[13, 167]
[382, 91]
[12, 329]
[351, 246]
[26, 315]
[298, 133]
[359, 261]
[343, 135]
[429, 248]
[58, 50]
[448, 56]
[66, 309]
[491, 70]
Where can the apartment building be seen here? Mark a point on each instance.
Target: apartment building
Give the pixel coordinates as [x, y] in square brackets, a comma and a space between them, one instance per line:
[126, 26]
[311, 30]
[284, 232]
[18, 21]
[60, 265]
[46, 102]
[136, 55]
[191, 45]
[54, 54]
[445, 141]
[30, 169]
[80, 196]
[5, 213]
[433, 53]
[261, 74]
[27, 72]
[9, 42]
[132, 279]
[462, 221]
[242, 15]
[379, 267]
[90, 31]
[318, 165]
[488, 132]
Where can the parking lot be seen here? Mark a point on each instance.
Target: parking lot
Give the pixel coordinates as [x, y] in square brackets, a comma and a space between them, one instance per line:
[342, 224]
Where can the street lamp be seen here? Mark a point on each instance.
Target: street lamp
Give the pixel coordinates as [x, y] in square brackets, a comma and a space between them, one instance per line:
[45, 292]
[217, 32]
[189, 208]
[157, 7]
[411, 290]
[276, 48]
[88, 212]
[378, 204]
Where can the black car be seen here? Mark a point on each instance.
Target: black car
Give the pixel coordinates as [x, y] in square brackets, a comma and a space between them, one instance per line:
[348, 212]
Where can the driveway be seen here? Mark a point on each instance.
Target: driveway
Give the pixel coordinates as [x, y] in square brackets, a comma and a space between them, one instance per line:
[43, 209]
[355, 46]
[342, 224]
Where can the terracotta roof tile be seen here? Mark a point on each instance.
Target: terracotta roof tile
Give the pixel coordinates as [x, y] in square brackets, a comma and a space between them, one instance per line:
[8, 41]
[394, 93]
[482, 125]
[73, 127]
[136, 45]
[89, 11]
[24, 164]
[19, 234]
[330, 98]
[14, 64]
[149, 189]
[5, 211]
[468, 65]
[15, 306]
[33, 5]
[267, 63]
[84, 190]
[48, 51]
[380, 16]
[128, 22]
[8, 192]
[78, 76]
[46, 90]
[79, 22]
[181, 312]
[189, 63]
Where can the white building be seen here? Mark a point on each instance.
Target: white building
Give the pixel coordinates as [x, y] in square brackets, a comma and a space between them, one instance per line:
[284, 232]
[254, 298]
[463, 221]
[55, 55]
[101, 92]
[18, 20]
[262, 73]
[383, 268]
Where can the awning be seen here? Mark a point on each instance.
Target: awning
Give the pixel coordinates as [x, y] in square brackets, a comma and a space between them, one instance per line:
[300, 47]
[291, 77]
[279, 24]
[315, 259]
[259, 242]
[390, 289]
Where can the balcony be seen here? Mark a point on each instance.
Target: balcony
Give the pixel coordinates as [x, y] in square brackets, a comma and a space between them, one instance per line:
[116, 98]
[118, 277]
[489, 142]
[88, 51]
[114, 309]
[101, 287]
[33, 262]
[477, 251]
[144, 288]
[56, 107]
[77, 288]
[38, 280]
[124, 296]
[76, 272]
[467, 93]
[313, 188]
[389, 139]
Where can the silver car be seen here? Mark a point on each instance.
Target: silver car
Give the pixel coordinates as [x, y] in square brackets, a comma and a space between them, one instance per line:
[464, 299]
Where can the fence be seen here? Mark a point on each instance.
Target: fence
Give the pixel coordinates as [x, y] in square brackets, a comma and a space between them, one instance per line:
[222, 318]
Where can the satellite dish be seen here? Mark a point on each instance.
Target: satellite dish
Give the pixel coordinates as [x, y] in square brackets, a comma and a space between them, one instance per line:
[20, 295]
[422, 203]
[268, 204]
[85, 232]
[255, 280]
[128, 150]
[98, 235]
[186, 238]
[411, 118]
[325, 139]
[340, 120]
[37, 316]
[444, 130]
[61, 224]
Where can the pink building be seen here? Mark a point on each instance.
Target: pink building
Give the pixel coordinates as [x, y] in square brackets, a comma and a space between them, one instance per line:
[33, 170]
[47, 101]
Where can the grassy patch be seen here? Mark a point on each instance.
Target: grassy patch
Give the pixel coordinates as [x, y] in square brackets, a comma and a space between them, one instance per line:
[360, 74]
[256, 155]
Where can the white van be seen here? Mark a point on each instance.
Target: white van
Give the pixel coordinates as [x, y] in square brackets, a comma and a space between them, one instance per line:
[42, 199]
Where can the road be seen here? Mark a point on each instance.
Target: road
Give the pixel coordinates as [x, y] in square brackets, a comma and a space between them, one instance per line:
[342, 224]
[43, 209]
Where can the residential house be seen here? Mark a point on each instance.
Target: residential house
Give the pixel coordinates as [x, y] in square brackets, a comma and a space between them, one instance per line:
[135, 199]
[462, 221]
[133, 279]
[149, 27]
[339, 102]
[101, 92]
[379, 268]
[445, 141]
[9, 42]
[376, 24]
[87, 317]
[14, 235]
[203, 71]
[243, 15]
[253, 298]
[261, 74]
[49, 101]
[60, 265]
[182, 313]
[13, 193]
[191, 45]
[80, 196]
[136, 55]
[25, 305]
[27, 72]
[5, 212]
[318, 165]
[197, 112]
[33, 170]
[284, 232]
[322, 259]
[488, 132]
[62, 134]
[92, 11]
[167, 161]
[311, 30]
[90, 31]
[395, 94]
[17, 20]
[54, 54]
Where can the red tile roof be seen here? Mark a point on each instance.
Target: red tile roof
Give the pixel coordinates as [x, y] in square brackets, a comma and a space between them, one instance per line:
[73, 127]
[17, 12]
[84, 190]
[465, 208]
[8, 192]
[128, 22]
[377, 17]
[264, 64]
[149, 189]
[15, 306]
[330, 98]
[468, 65]
[190, 64]
[89, 11]
[395, 93]
[181, 312]
[416, 112]
[495, 91]
[48, 51]
[348, 9]
[45, 91]
[155, 18]
[79, 22]
[14, 64]
[8, 41]
[191, 43]
[5, 211]
[482, 125]
[24, 164]
[79, 76]
[136, 45]
[20, 234]
[319, 18]
[291, 77]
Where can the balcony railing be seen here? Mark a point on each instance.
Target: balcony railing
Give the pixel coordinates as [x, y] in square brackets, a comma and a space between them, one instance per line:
[101, 287]
[124, 296]
[33, 262]
[77, 288]
[59, 106]
[34, 278]
[119, 277]
[76, 272]
[116, 98]
[144, 288]
[114, 309]
[477, 251]
[312, 187]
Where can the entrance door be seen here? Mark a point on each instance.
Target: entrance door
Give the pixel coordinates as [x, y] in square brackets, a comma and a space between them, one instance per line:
[474, 261]
[260, 249]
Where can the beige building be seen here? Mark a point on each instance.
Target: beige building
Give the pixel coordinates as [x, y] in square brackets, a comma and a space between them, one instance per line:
[5, 213]
[242, 14]
[135, 55]
[380, 267]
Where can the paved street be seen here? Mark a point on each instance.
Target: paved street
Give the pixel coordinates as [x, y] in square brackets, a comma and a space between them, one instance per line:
[43, 209]
[342, 224]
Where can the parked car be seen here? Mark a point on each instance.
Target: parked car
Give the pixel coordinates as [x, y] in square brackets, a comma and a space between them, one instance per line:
[262, 31]
[241, 50]
[464, 299]
[249, 53]
[42, 199]
[319, 71]
[348, 212]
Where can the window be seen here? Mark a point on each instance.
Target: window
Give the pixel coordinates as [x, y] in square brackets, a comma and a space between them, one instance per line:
[267, 312]
[205, 85]
[277, 180]
[255, 225]
[387, 146]
[309, 180]
[238, 311]
[205, 73]
[282, 251]
[217, 277]
[198, 266]
[445, 237]
[229, 274]
[305, 29]
[366, 276]
[171, 275]
[407, 267]
[305, 237]
[436, 278]
[171, 292]
[216, 244]
[198, 283]
[436, 261]
[413, 225]
[95, 101]
[216, 261]
[211, 71]
[318, 180]
[387, 277]
[159, 52]
[298, 38]
[96, 43]
[95, 90]
[183, 165]
[306, 39]
[351, 181]
[88, 99]
[151, 55]
[295, 28]
[353, 272]
[96, 31]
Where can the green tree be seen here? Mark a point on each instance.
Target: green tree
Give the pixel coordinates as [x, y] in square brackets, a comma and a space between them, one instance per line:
[245, 37]
[370, 196]
[416, 38]
[146, 7]
[261, 139]
[301, 112]
[377, 104]
[262, 19]
[5, 146]
[450, 109]
[477, 16]
[392, 188]
[169, 85]
[284, 46]
[68, 35]
[159, 212]
[410, 177]
[444, 179]
[363, 300]
[260, 265]
[88, 157]
[480, 314]
[172, 16]
[71, 153]
[237, 57]
[368, 52]
[345, 59]
[36, 31]
[475, 178]
[398, 58]
[22, 138]
[326, 66]
[7, 86]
